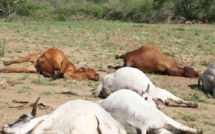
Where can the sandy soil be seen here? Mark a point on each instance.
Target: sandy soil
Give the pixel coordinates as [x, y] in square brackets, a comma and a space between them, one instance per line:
[27, 87]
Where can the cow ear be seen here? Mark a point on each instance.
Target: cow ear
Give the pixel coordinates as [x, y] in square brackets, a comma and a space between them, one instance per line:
[160, 104]
[41, 60]
[32, 125]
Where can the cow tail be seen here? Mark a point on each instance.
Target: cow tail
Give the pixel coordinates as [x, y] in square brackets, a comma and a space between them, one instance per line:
[98, 125]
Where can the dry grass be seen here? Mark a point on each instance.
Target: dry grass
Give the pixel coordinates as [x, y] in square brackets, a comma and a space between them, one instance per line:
[94, 44]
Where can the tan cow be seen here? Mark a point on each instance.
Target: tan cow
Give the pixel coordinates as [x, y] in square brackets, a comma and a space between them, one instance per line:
[52, 63]
[150, 59]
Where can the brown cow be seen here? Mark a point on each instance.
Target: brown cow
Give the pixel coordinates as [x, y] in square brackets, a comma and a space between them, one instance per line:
[52, 63]
[150, 59]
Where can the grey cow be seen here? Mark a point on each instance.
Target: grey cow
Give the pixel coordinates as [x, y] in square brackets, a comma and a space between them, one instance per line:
[208, 80]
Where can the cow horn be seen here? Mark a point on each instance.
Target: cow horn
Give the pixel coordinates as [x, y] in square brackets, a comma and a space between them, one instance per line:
[148, 87]
[34, 110]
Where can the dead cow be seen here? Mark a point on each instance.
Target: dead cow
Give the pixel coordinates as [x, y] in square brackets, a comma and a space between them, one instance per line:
[135, 80]
[137, 115]
[150, 59]
[52, 63]
[208, 80]
[74, 117]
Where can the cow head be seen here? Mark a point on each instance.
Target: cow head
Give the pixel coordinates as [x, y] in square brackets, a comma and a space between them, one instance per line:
[190, 72]
[21, 122]
[175, 71]
[90, 73]
[154, 102]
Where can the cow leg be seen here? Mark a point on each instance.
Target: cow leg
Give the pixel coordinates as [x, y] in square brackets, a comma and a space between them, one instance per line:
[75, 75]
[119, 56]
[181, 101]
[167, 95]
[214, 91]
[164, 131]
[58, 74]
[199, 82]
[118, 67]
[114, 67]
[180, 127]
[30, 69]
[143, 130]
[30, 58]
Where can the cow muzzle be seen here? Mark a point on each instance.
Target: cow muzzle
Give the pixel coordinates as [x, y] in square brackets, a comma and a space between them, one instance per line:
[96, 77]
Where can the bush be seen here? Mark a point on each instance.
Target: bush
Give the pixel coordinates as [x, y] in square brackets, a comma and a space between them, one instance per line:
[137, 10]
[62, 17]
[134, 10]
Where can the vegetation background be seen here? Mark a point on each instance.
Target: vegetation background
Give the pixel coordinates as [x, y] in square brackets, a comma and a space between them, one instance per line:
[127, 10]
[29, 26]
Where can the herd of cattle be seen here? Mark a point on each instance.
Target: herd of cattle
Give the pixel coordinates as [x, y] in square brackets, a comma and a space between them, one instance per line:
[131, 102]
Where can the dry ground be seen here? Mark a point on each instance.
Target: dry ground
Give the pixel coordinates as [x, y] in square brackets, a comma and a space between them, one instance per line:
[94, 44]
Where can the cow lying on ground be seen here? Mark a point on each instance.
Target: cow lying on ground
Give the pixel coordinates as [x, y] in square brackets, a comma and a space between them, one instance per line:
[52, 63]
[150, 59]
[208, 80]
[74, 117]
[136, 80]
[137, 115]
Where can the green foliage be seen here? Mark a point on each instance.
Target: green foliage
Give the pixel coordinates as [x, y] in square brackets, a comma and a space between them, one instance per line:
[196, 9]
[195, 97]
[189, 118]
[137, 10]
[7, 7]
[62, 17]
[134, 10]
[43, 81]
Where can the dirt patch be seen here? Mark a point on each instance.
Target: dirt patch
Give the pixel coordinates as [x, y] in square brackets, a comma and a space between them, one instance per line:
[96, 49]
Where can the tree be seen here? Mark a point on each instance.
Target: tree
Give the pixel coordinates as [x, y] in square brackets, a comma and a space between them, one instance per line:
[7, 6]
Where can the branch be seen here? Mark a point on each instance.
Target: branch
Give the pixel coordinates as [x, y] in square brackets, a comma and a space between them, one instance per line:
[16, 1]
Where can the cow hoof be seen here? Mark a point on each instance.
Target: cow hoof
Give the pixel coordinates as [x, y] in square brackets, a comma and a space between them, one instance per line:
[110, 67]
[194, 105]
[6, 63]
[199, 132]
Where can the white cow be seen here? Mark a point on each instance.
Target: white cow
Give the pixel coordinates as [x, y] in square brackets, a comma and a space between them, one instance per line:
[136, 80]
[137, 115]
[74, 117]
[208, 80]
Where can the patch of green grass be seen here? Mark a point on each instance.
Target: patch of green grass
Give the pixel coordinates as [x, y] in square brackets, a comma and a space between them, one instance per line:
[179, 29]
[194, 97]
[44, 81]
[92, 85]
[209, 122]
[69, 82]
[3, 86]
[13, 83]
[47, 93]
[189, 118]
[205, 62]
[25, 89]
[24, 76]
